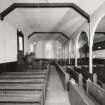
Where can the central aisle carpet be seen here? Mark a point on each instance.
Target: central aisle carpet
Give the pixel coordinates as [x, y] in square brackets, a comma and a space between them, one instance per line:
[56, 95]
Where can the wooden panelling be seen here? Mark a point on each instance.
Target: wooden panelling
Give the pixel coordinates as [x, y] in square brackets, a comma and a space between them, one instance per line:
[9, 66]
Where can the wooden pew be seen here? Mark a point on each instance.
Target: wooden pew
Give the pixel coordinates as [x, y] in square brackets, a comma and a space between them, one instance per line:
[29, 79]
[96, 93]
[12, 82]
[26, 83]
[37, 87]
[85, 72]
[100, 71]
[20, 99]
[10, 85]
[22, 81]
[73, 74]
[16, 76]
[24, 89]
[78, 96]
[36, 70]
[25, 73]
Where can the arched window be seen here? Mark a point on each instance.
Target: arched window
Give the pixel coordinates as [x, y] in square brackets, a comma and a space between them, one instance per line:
[20, 41]
[20, 49]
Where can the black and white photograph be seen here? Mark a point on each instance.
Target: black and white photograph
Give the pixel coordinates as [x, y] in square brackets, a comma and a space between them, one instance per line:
[52, 52]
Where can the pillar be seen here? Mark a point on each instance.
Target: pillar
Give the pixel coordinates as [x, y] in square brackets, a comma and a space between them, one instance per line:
[90, 57]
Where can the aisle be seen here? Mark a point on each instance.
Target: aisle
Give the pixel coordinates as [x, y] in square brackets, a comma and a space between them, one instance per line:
[56, 94]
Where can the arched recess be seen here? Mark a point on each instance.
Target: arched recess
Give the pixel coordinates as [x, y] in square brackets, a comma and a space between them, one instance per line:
[70, 50]
[81, 48]
[93, 28]
[98, 48]
[67, 52]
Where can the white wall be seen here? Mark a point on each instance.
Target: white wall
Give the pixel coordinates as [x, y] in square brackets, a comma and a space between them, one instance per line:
[26, 44]
[1, 43]
[71, 49]
[48, 49]
[40, 49]
[8, 42]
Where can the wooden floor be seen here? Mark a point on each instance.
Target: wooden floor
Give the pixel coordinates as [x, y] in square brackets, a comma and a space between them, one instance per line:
[56, 95]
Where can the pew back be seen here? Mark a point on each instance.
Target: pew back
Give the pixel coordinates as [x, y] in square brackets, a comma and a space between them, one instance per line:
[77, 96]
[96, 92]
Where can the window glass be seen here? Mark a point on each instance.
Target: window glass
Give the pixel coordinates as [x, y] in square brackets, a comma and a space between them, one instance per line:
[20, 43]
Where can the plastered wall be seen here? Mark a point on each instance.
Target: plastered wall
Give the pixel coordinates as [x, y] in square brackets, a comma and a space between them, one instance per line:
[8, 42]
[48, 49]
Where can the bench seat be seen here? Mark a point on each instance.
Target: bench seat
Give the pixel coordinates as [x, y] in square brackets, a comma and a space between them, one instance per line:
[15, 76]
[20, 99]
[25, 73]
[23, 89]
[22, 81]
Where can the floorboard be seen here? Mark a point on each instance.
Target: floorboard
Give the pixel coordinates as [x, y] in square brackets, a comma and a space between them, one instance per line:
[56, 95]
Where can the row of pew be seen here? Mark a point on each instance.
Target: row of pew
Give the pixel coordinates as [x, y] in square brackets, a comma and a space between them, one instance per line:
[82, 88]
[80, 61]
[24, 88]
[99, 70]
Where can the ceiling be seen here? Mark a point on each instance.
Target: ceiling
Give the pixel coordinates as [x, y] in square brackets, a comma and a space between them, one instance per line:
[43, 20]
[101, 26]
[46, 36]
[90, 6]
[64, 20]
